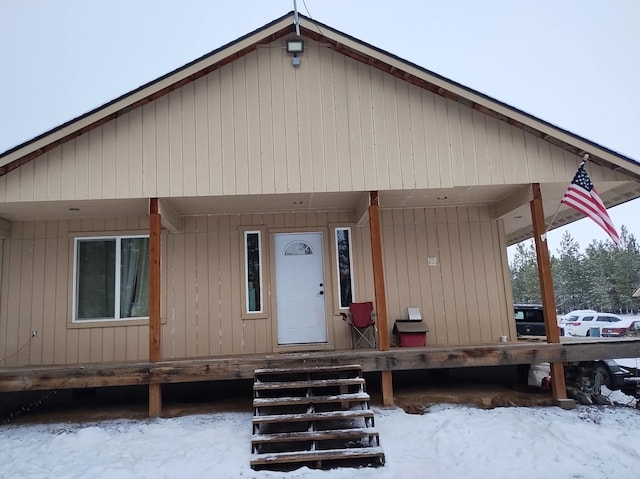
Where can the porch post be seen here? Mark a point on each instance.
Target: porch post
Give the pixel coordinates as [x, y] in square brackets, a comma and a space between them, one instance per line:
[155, 353]
[559, 388]
[381, 298]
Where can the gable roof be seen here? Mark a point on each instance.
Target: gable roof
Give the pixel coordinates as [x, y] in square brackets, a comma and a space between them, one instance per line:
[342, 43]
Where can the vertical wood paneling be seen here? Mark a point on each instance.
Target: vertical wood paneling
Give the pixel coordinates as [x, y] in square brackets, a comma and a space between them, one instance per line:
[391, 131]
[189, 168]
[214, 292]
[54, 164]
[258, 125]
[176, 180]
[109, 160]
[506, 149]
[63, 295]
[149, 151]
[37, 301]
[227, 115]
[214, 115]
[481, 143]
[190, 318]
[202, 287]
[47, 335]
[135, 153]
[225, 265]
[329, 124]
[265, 160]
[67, 169]
[462, 298]
[81, 168]
[406, 161]
[12, 340]
[40, 173]
[468, 146]
[240, 135]
[356, 161]
[94, 167]
[316, 121]
[253, 122]
[305, 151]
[27, 178]
[443, 142]
[418, 146]
[163, 156]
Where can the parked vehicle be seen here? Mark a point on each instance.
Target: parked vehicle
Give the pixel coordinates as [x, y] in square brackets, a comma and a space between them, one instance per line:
[529, 319]
[591, 323]
[630, 328]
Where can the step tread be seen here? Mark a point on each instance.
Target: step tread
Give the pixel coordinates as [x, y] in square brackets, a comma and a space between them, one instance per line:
[309, 369]
[325, 455]
[306, 383]
[314, 416]
[329, 434]
[291, 400]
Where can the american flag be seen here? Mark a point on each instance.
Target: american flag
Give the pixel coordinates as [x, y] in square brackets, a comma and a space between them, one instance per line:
[583, 196]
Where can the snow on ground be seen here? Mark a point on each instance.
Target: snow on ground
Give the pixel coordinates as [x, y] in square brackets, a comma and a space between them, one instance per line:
[446, 442]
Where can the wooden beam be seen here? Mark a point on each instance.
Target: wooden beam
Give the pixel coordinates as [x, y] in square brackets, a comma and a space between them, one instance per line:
[546, 288]
[155, 351]
[170, 219]
[219, 368]
[520, 197]
[381, 297]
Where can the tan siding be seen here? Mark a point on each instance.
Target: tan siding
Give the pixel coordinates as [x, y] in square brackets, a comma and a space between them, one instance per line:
[136, 154]
[463, 297]
[259, 126]
[188, 129]
[163, 158]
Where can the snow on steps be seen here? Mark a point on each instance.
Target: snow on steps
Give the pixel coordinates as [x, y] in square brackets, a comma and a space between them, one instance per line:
[314, 416]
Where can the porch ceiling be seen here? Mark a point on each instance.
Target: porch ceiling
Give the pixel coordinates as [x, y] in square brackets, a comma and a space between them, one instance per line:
[509, 203]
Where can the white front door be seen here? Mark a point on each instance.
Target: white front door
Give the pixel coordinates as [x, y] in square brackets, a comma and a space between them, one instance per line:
[300, 299]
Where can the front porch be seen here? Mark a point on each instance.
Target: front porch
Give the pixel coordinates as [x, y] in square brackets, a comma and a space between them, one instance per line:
[243, 366]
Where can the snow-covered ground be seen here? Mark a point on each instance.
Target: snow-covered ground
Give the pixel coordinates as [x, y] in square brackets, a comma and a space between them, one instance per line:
[446, 442]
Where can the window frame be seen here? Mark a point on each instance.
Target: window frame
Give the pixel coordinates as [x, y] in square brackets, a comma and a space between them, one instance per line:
[348, 228]
[75, 321]
[264, 272]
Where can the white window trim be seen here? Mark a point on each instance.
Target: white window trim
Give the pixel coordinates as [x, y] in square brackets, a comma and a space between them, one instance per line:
[118, 239]
[337, 256]
[246, 272]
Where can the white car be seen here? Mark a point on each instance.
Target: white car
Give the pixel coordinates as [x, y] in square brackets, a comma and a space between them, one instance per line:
[590, 323]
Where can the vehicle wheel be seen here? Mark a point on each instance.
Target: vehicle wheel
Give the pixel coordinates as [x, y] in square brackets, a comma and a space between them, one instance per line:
[605, 375]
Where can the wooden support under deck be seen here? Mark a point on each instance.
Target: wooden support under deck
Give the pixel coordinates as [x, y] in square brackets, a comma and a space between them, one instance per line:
[155, 352]
[381, 301]
[559, 387]
[218, 368]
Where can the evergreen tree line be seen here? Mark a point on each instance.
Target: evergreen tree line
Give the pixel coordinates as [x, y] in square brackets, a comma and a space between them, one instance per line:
[603, 277]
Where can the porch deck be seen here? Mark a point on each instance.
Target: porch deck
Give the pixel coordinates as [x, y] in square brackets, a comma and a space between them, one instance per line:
[27, 378]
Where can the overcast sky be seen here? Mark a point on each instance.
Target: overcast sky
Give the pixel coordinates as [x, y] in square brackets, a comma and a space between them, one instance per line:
[573, 63]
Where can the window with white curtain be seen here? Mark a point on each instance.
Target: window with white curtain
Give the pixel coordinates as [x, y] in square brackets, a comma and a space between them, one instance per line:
[111, 278]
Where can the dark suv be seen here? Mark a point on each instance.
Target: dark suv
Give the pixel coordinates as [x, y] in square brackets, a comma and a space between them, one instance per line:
[529, 319]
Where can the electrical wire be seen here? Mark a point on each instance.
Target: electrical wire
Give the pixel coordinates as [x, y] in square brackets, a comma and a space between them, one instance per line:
[18, 351]
[311, 18]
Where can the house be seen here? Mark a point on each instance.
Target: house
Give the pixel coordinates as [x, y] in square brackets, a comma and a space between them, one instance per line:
[238, 204]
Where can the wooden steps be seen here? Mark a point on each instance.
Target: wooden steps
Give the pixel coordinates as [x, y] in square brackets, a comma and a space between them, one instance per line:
[313, 416]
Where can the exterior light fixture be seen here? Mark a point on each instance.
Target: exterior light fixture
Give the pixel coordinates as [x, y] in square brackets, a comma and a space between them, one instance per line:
[295, 47]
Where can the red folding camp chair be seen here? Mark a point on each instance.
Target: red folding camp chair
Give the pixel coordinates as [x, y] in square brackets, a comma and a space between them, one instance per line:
[362, 325]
